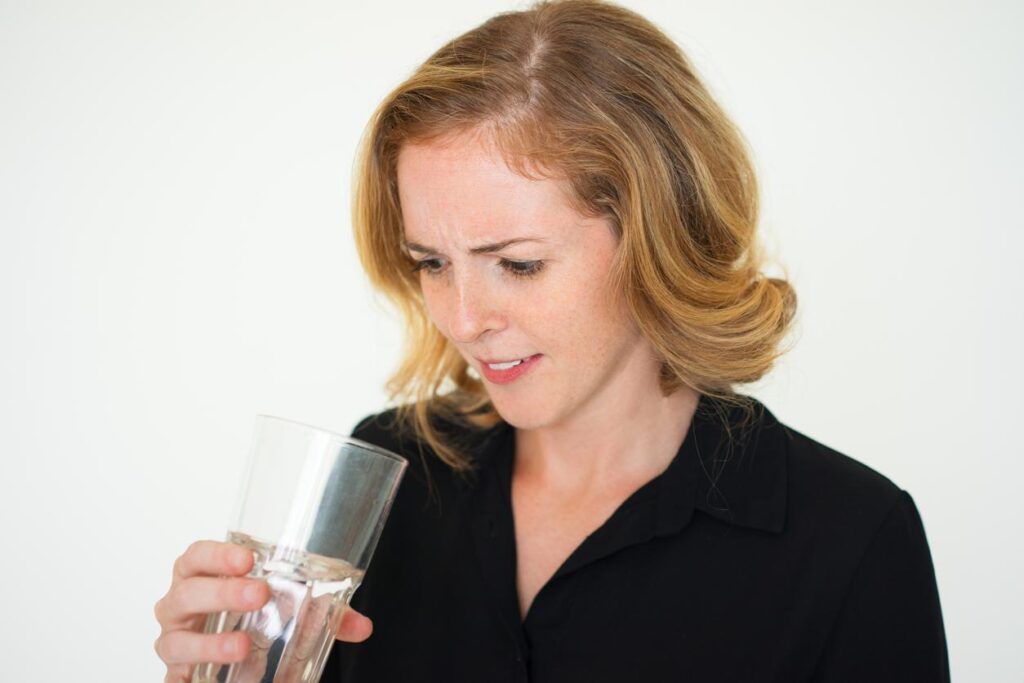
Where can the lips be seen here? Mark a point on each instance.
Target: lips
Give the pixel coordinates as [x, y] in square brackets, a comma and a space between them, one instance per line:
[504, 371]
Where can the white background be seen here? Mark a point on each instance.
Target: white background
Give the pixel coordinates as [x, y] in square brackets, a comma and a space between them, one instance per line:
[176, 257]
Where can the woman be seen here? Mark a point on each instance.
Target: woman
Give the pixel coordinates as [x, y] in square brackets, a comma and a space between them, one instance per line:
[567, 221]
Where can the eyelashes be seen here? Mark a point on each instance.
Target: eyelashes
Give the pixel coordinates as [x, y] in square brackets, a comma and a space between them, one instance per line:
[522, 268]
[517, 269]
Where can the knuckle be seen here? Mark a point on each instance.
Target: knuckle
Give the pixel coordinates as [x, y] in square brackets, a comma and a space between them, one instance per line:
[194, 550]
[158, 647]
[177, 598]
[158, 610]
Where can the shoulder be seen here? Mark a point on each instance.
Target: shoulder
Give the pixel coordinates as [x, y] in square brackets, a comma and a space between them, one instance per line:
[864, 534]
[833, 473]
[380, 429]
[428, 477]
[775, 478]
[839, 504]
[825, 481]
[387, 430]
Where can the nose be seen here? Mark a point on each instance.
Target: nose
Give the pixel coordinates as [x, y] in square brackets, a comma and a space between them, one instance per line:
[474, 311]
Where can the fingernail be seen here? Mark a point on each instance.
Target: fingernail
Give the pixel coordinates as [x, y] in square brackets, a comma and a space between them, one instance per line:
[230, 647]
[240, 559]
[252, 593]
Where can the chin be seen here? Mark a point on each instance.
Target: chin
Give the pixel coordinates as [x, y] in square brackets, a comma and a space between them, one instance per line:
[522, 415]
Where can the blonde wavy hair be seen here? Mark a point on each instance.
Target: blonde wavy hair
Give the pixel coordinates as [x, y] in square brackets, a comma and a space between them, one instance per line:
[598, 96]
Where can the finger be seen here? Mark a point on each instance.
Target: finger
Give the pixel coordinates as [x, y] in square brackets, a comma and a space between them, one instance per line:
[354, 627]
[206, 594]
[185, 647]
[213, 558]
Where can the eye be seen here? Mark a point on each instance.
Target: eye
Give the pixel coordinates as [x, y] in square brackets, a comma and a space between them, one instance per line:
[517, 269]
[522, 268]
[431, 266]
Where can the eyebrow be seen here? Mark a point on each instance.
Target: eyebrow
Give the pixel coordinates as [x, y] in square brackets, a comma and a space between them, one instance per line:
[483, 249]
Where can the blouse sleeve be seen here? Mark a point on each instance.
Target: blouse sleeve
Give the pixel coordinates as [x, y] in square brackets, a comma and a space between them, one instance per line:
[890, 624]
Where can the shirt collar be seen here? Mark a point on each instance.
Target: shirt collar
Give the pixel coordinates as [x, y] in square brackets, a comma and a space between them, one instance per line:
[741, 481]
[730, 466]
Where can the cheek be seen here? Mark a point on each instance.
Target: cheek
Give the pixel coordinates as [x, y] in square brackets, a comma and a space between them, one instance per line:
[434, 303]
[591, 320]
[575, 315]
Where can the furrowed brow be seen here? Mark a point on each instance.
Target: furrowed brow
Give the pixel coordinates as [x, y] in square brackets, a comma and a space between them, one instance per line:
[483, 249]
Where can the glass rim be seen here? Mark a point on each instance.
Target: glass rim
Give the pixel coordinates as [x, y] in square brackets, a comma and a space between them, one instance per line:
[359, 443]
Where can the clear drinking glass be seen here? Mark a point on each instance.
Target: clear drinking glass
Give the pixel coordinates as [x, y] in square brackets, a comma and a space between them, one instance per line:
[311, 509]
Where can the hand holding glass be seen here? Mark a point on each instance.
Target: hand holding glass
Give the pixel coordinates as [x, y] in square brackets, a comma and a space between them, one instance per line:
[311, 510]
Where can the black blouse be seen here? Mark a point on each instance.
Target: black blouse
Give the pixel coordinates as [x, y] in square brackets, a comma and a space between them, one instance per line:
[775, 559]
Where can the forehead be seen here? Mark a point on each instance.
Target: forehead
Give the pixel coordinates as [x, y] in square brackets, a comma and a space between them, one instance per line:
[461, 188]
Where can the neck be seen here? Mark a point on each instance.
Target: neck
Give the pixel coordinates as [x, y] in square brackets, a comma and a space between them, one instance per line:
[628, 437]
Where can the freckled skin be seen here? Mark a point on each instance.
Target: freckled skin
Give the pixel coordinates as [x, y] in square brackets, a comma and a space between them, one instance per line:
[591, 423]
[458, 194]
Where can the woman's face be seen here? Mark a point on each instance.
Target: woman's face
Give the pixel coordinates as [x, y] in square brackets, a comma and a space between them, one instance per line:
[510, 271]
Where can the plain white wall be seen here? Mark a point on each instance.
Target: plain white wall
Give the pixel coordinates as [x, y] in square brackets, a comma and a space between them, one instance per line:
[176, 257]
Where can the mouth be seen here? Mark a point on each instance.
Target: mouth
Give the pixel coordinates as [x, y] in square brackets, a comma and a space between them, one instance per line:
[505, 371]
